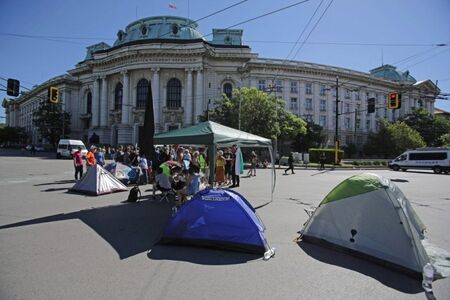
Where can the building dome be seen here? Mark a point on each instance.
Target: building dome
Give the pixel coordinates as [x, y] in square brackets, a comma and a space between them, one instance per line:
[391, 73]
[163, 27]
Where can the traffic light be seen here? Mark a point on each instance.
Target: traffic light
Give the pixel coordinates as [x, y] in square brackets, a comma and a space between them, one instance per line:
[370, 105]
[394, 100]
[13, 87]
[53, 95]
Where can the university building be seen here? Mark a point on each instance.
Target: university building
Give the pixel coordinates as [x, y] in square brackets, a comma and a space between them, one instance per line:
[106, 92]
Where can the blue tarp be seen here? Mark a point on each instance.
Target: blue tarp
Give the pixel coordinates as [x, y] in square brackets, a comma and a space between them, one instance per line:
[124, 173]
[217, 218]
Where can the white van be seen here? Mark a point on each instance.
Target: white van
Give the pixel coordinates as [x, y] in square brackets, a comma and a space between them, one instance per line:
[436, 159]
[66, 148]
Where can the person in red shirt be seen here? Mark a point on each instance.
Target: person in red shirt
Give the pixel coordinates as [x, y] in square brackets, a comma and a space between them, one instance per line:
[90, 157]
[78, 163]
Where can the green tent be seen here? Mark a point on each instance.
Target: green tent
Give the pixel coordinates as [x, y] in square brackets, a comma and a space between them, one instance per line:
[213, 135]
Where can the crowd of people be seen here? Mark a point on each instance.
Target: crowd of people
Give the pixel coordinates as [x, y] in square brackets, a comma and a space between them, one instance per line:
[183, 170]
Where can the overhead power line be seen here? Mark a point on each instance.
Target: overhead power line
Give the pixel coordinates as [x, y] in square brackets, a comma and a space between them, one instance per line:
[314, 27]
[351, 43]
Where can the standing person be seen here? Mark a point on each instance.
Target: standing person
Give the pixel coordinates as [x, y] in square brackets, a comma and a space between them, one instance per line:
[100, 157]
[228, 161]
[78, 163]
[32, 149]
[220, 168]
[143, 165]
[290, 163]
[165, 155]
[253, 160]
[236, 165]
[322, 160]
[90, 157]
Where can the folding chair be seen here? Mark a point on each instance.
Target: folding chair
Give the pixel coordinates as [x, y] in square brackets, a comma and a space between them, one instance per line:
[165, 195]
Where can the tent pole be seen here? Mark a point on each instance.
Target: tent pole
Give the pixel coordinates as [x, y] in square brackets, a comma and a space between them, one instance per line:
[212, 163]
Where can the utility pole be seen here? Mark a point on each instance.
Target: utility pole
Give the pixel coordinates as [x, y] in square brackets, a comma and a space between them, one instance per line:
[354, 133]
[336, 135]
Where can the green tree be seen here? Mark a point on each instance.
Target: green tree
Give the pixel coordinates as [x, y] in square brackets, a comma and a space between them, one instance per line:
[430, 128]
[13, 135]
[313, 138]
[50, 121]
[392, 139]
[259, 113]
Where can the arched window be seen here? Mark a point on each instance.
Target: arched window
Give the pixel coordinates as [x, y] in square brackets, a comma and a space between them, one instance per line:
[420, 103]
[118, 97]
[173, 93]
[141, 93]
[228, 90]
[89, 103]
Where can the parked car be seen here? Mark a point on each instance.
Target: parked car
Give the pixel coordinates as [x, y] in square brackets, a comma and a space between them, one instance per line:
[66, 148]
[436, 159]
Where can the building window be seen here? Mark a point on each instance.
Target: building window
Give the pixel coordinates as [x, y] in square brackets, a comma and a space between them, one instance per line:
[174, 93]
[118, 96]
[309, 118]
[347, 107]
[347, 123]
[358, 123]
[294, 87]
[228, 90]
[262, 85]
[323, 121]
[308, 104]
[279, 86]
[323, 105]
[89, 103]
[357, 96]
[308, 89]
[293, 104]
[420, 103]
[368, 125]
[141, 93]
[323, 90]
[347, 93]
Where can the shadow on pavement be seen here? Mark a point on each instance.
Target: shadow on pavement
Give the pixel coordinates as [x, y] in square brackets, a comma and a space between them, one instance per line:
[392, 279]
[56, 182]
[130, 228]
[198, 255]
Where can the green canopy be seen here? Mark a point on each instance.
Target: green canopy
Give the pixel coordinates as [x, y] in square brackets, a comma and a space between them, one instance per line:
[214, 135]
[211, 133]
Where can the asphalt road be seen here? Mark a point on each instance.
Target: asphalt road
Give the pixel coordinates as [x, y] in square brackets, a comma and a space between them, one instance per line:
[57, 245]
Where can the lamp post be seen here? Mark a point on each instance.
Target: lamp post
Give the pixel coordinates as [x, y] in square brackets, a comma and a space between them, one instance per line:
[336, 135]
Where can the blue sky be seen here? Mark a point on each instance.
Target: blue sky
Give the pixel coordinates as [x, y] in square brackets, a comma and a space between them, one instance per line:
[352, 34]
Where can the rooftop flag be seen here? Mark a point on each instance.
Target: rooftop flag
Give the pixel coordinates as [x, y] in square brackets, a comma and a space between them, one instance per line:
[172, 5]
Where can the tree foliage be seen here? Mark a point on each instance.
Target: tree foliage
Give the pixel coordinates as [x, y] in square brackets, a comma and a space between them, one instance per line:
[430, 128]
[13, 135]
[313, 138]
[49, 120]
[392, 139]
[259, 113]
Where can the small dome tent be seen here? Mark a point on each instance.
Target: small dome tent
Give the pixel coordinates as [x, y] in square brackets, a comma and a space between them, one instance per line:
[368, 216]
[98, 181]
[220, 219]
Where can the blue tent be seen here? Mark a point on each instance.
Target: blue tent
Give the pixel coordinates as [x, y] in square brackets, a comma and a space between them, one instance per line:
[220, 219]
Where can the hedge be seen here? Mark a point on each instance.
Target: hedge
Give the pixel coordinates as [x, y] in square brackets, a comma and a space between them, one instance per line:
[314, 155]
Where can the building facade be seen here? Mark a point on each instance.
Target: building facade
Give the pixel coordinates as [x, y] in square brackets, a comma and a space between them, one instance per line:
[107, 91]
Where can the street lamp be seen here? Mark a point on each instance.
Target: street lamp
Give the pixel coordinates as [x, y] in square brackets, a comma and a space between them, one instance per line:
[336, 134]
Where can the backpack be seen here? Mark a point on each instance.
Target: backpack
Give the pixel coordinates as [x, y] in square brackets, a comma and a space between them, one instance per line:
[135, 194]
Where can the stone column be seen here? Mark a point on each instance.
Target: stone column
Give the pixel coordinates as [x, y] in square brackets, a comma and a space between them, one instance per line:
[125, 98]
[104, 103]
[124, 130]
[188, 103]
[199, 96]
[156, 97]
[95, 103]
